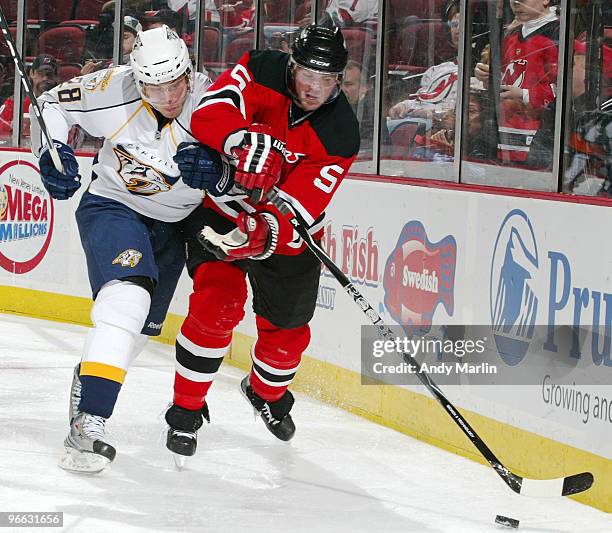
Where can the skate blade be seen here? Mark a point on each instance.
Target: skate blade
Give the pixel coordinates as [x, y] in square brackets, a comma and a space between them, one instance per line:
[179, 461]
[256, 413]
[82, 462]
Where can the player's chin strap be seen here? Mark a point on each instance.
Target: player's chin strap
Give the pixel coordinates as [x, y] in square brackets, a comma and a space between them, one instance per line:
[531, 487]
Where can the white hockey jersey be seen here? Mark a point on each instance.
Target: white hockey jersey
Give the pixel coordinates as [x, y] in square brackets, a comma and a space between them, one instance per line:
[136, 158]
[346, 12]
[439, 84]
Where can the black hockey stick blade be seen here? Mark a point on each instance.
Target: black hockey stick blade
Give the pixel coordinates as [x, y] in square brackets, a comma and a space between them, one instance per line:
[577, 483]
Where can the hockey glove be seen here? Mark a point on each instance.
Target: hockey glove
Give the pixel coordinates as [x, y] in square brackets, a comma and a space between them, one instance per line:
[255, 237]
[60, 186]
[260, 160]
[204, 168]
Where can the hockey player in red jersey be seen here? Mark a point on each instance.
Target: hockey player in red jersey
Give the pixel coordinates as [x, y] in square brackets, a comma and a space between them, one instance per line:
[286, 123]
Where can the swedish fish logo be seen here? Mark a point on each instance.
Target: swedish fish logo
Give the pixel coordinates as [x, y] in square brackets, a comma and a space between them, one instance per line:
[419, 275]
[128, 258]
[139, 178]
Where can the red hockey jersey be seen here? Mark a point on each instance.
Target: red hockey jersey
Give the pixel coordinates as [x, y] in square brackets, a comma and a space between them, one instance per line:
[530, 62]
[319, 147]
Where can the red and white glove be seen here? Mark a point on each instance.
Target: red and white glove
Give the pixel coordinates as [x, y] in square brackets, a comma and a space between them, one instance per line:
[255, 237]
[260, 161]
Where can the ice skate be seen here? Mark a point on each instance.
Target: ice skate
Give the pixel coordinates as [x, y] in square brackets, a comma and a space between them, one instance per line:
[86, 449]
[275, 415]
[182, 439]
[75, 394]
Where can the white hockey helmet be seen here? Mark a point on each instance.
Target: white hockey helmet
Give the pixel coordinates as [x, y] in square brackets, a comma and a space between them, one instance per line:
[159, 56]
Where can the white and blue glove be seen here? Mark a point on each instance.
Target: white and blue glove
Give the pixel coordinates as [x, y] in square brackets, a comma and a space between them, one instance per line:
[204, 168]
[60, 186]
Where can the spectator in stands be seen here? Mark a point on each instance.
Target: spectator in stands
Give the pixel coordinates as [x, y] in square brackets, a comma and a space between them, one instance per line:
[358, 87]
[354, 85]
[438, 90]
[131, 27]
[304, 13]
[590, 140]
[239, 15]
[352, 12]
[438, 144]
[210, 15]
[100, 41]
[157, 18]
[237, 19]
[279, 41]
[43, 76]
[529, 75]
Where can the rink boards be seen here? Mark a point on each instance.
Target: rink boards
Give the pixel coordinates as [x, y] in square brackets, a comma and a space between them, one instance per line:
[428, 255]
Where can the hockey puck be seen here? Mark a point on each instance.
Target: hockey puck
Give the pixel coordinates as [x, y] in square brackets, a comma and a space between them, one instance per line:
[505, 521]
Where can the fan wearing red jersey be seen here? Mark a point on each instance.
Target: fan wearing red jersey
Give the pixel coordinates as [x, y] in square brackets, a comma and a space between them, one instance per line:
[285, 122]
[529, 76]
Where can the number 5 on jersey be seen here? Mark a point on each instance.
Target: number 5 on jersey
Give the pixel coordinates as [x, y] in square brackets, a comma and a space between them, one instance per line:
[328, 178]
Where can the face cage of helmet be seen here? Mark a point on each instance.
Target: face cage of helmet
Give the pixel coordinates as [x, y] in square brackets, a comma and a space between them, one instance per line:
[169, 96]
[314, 88]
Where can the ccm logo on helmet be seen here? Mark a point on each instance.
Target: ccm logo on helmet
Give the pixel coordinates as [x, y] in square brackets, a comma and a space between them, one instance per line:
[164, 73]
[319, 63]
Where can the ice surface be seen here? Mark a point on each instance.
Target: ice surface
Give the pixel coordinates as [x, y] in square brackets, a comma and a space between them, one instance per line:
[340, 472]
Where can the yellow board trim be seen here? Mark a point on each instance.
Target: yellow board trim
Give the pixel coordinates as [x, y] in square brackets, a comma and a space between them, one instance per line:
[406, 411]
[101, 370]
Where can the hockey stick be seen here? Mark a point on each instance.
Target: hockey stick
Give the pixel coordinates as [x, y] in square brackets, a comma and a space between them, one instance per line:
[25, 80]
[529, 487]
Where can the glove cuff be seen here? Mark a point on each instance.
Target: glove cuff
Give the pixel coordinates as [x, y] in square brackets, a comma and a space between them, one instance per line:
[272, 236]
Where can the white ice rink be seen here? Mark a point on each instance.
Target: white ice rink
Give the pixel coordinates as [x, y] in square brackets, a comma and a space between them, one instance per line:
[340, 473]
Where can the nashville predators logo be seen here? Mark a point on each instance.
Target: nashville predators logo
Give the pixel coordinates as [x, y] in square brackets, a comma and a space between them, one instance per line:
[128, 258]
[139, 178]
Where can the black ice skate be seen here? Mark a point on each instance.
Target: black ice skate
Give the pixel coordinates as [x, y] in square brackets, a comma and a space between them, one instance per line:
[275, 415]
[182, 434]
[86, 449]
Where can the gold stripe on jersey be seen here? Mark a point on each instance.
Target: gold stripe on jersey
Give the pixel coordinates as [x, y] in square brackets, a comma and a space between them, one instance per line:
[138, 109]
[149, 108]
[101, 370]
[172, 134]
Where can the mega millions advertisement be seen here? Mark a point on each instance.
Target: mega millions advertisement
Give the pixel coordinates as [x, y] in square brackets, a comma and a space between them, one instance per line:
[26, 217]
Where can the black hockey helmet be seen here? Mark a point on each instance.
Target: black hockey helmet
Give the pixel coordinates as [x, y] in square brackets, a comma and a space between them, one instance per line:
[320, 48]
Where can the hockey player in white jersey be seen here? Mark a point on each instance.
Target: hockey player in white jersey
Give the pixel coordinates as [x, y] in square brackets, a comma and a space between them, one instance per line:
[128, 218]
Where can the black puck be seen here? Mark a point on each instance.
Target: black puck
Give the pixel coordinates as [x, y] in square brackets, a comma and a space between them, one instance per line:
[506, 521]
